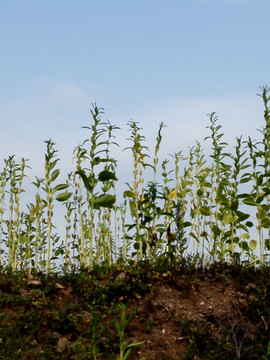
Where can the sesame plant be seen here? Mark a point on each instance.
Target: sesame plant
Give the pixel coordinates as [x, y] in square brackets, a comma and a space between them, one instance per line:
[51, 174]
[16, 174]
[99, 238]
[136, 190]
[3, 180]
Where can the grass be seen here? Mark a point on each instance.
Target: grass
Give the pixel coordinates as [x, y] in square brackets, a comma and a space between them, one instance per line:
[195, 212]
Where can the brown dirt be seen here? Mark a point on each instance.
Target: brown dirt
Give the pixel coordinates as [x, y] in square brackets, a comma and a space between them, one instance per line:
[206, 301]
[198, 315]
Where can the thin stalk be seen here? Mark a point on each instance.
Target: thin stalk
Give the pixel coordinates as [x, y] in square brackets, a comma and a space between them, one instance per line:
[51, 175]
[265, 154]
[255, 195]
[3, 182]
[201, 210]
[16, 176]
[38, 215]
[221, 171]
[235, 216]
[80, 154]
[138, 180]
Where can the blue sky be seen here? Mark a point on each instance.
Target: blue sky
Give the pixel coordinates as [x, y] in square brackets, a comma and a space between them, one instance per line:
[147, 60]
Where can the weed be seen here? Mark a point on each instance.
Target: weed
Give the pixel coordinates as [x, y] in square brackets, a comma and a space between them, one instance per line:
[125, 349]
[267, 355]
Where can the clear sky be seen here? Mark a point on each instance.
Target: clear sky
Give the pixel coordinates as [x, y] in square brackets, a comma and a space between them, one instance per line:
[147, 60]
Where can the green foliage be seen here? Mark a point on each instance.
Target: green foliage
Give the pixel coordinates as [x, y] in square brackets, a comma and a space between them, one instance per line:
[267, 355]
[208, 207]
[125, 349]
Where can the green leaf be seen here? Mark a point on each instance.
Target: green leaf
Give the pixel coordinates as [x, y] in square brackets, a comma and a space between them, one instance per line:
[207, 184]
[216, 230]
[228, 218]
[260, 199]
[55, 174]
[193, 235]
[129, 193]
[127, 353]
[106, 175]
[87, 182]
[267, 244]
[186, 224]
[244, 246]
[250, 202]
[59, 251]
[234, 204]
[243, 227]
[96, 160]
[53, 163]
[135, 344]
[259, 180]
[105, 200]
[165, 213]
[132, 208]
[63, 197]
[161, 229]
[265, 207]
[204, 210]
[266, 190]
[23, 239]
[245, 179]
[241, 216]
[243, 196]
[265, 223]
[61, 187]
[253, 244]
[199, 193]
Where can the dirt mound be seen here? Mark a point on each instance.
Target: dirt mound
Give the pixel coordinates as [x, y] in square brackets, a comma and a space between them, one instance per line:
[177, 314]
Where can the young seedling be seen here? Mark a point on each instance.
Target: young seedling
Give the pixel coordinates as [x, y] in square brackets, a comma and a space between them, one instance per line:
[125, 349]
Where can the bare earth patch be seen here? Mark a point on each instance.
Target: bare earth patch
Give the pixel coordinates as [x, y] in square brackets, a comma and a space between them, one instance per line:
[206, 314]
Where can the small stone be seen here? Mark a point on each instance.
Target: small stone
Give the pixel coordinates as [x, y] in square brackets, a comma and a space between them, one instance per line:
[35, 282]
[56, 334]
[62, 344]
[121, 276]
[59, 286]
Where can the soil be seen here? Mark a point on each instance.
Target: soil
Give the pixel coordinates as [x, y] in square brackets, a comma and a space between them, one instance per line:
[180, 312]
